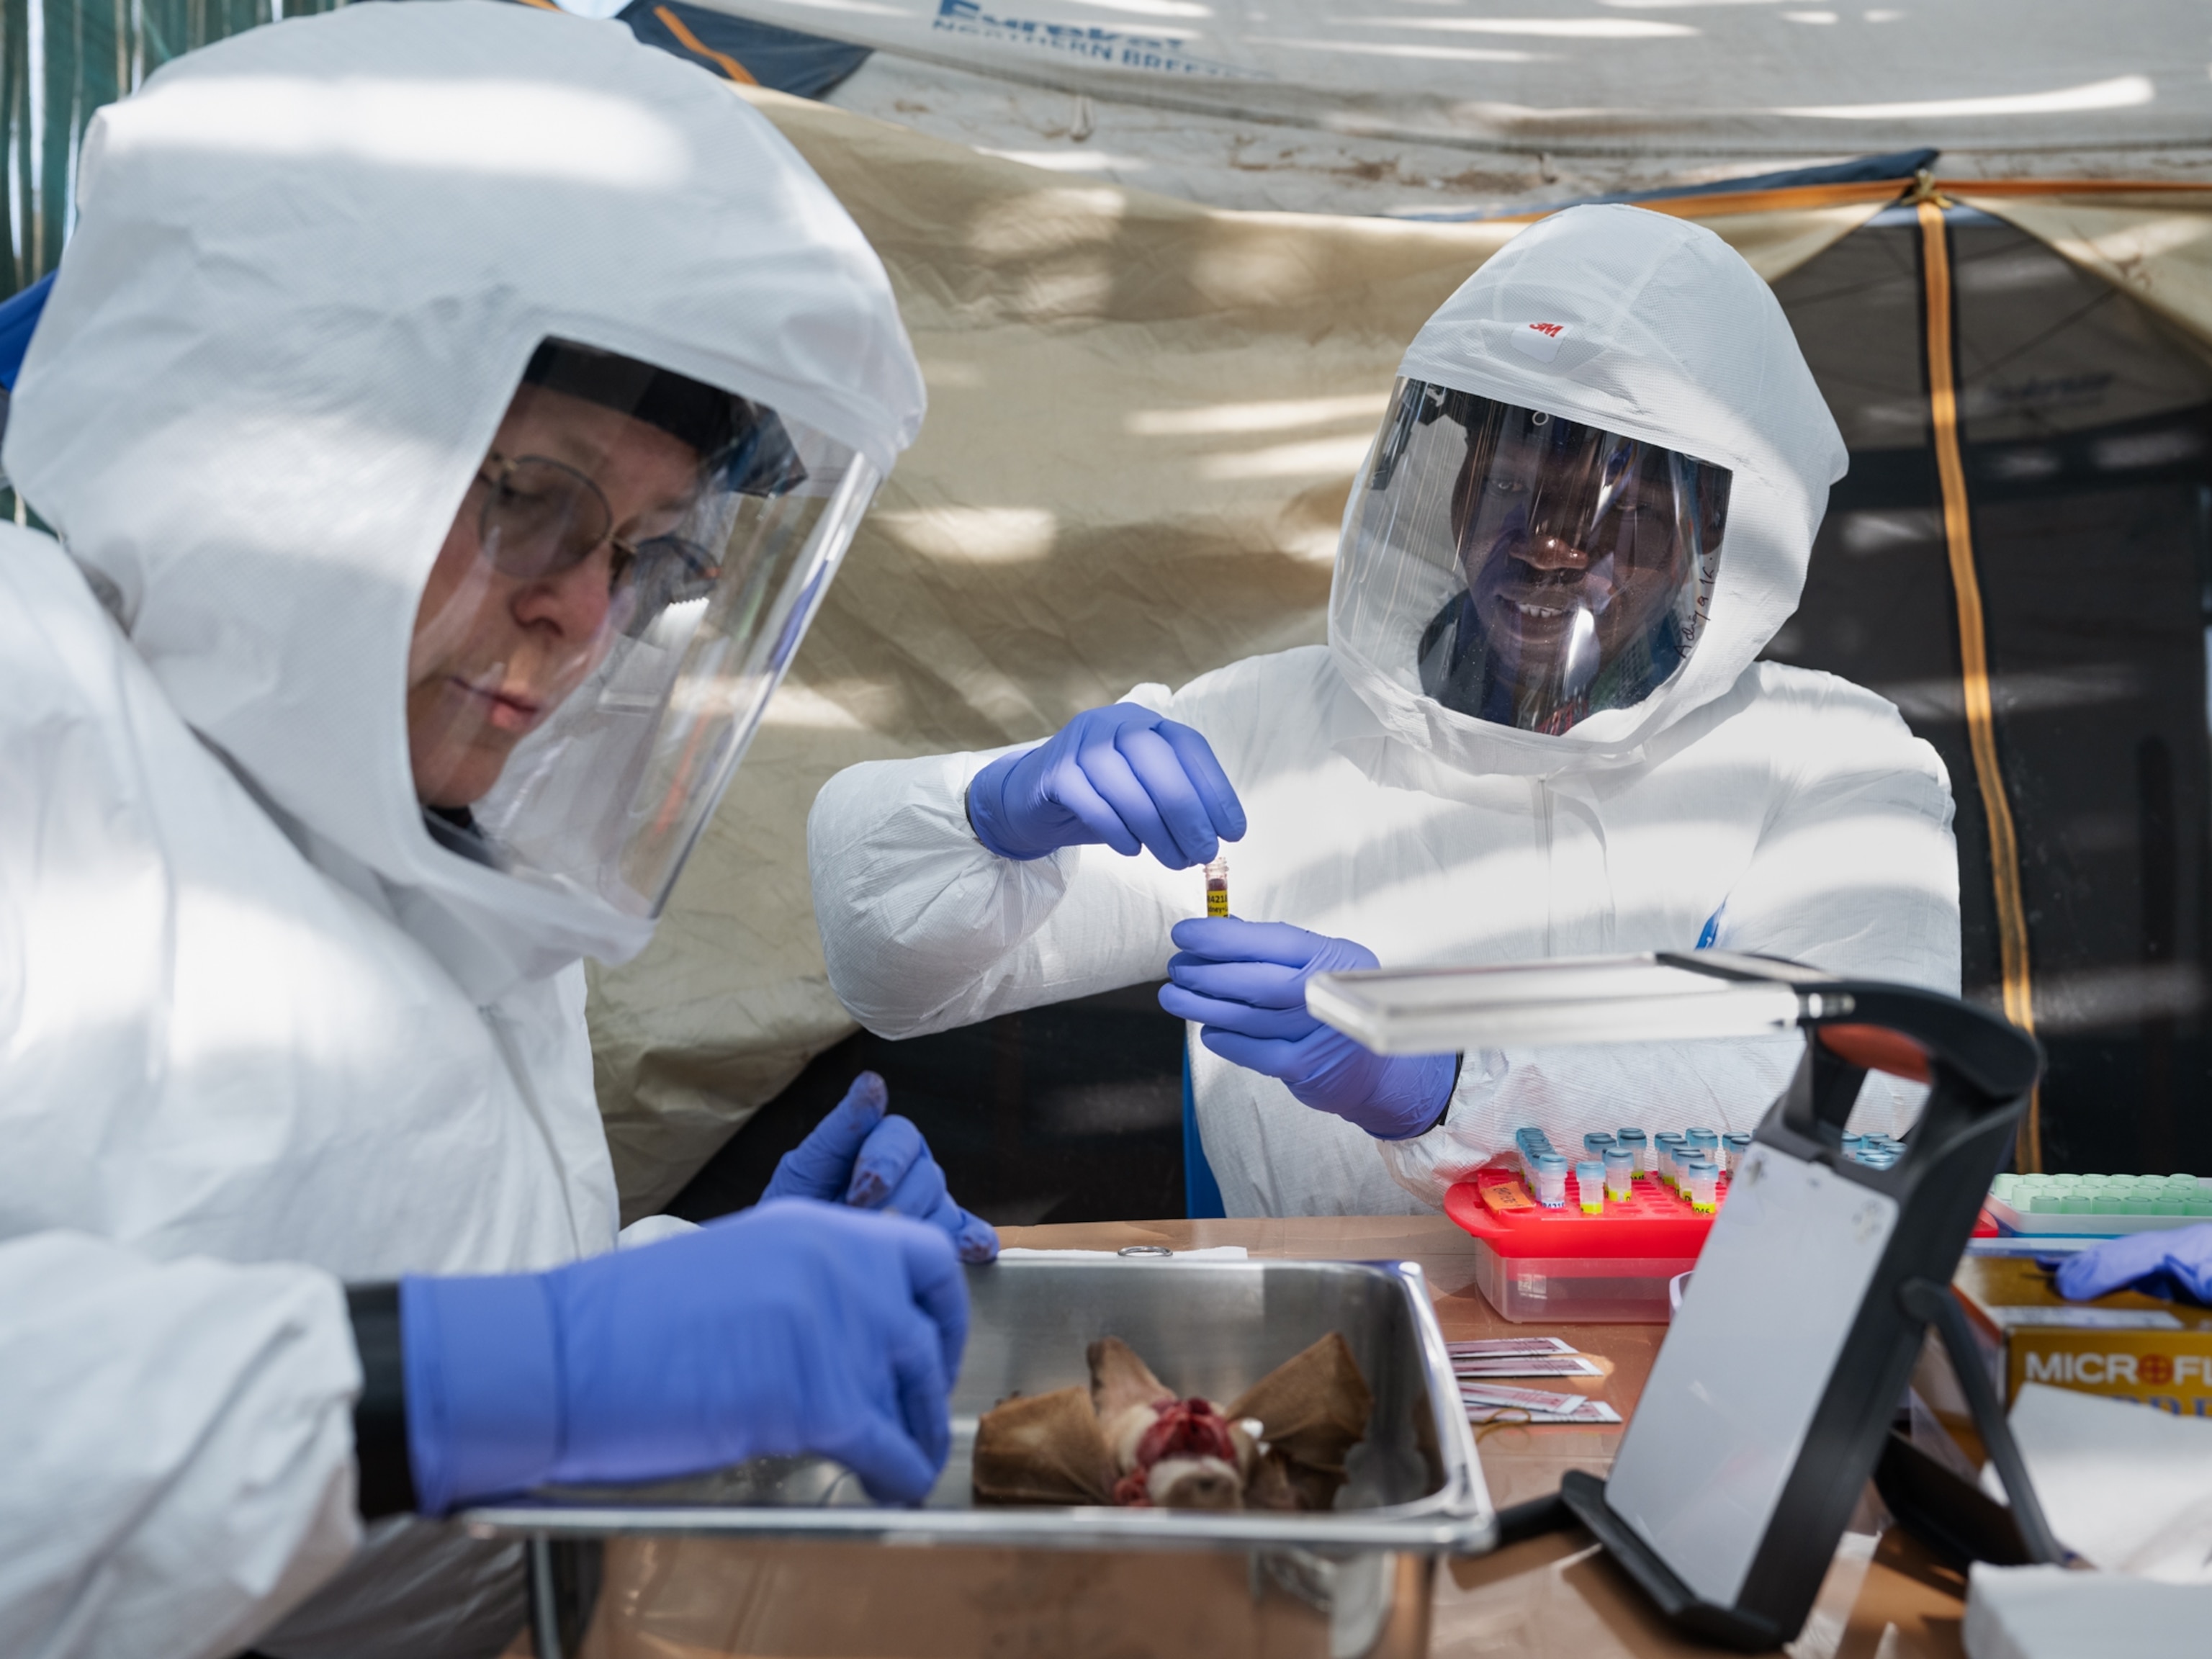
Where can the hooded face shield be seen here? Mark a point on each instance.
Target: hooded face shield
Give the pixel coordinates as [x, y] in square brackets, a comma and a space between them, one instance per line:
[626, 579]
[1539, 570]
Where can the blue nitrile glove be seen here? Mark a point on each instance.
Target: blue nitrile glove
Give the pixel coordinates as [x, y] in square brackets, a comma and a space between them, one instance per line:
[859, 1156]
[1122, 776]
[794, 1326]
[2182, 1256]
[1245, 983]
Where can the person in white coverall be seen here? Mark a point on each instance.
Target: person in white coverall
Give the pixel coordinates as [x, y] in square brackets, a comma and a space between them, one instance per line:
[449, 417]
[1538, 729]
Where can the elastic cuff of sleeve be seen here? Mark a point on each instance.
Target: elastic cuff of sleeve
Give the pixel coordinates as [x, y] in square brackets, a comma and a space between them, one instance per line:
[384, 1474]
[484, 1386]
[986, 815]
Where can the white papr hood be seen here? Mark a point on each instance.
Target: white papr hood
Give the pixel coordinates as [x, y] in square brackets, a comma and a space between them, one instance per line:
[1657, 328]
[312, 264]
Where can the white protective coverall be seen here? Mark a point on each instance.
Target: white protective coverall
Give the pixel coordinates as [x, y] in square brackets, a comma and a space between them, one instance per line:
[249, 1009]
[1795, 807]
[188, 1426]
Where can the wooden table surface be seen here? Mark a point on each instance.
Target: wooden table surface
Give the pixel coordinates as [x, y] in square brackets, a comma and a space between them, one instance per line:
[1561, 1595]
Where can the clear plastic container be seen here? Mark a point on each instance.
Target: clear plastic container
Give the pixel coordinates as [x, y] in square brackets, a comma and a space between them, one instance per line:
[1578, 1290]
[1536, 1262]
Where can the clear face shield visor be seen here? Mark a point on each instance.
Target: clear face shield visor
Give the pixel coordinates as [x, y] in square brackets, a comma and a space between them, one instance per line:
[628, 578]
[1553, 569]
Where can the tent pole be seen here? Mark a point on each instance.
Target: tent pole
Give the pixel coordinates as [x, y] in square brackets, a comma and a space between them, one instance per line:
[1973, 652]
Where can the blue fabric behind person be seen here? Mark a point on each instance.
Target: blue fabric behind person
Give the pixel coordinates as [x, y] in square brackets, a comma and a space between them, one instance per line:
[783, 60]
[1201, 1192]
[19, 317]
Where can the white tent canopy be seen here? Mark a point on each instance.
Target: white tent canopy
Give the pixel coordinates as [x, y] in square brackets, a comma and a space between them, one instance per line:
[1694, 78]
[1428, 105]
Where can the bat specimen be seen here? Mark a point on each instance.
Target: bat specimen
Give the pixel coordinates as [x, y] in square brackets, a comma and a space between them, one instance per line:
[1130, 1439]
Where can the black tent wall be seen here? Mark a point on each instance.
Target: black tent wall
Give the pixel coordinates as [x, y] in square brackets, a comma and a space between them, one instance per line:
[2086, 431]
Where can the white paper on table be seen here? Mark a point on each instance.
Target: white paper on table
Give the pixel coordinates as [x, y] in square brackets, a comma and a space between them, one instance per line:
[2050, 1612]
[2082, 1319]
[1591, 1411]
[1551, 1364]
[1210, 1253]
[2127, 1487]
[1500, 1347]
[1527, 1400]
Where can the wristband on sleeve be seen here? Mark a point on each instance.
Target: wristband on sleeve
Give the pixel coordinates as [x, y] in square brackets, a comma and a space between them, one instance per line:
[383, 1484]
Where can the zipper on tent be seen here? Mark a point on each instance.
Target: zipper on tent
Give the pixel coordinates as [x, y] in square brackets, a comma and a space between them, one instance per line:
[2018, 987]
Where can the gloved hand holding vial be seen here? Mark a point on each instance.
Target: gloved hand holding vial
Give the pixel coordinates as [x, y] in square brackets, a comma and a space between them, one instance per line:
[1243, 985]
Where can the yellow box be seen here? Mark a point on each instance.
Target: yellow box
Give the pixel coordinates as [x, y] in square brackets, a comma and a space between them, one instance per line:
[2124, 1346]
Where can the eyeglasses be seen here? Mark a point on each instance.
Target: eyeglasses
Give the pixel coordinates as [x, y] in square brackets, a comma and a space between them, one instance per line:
[541, 518]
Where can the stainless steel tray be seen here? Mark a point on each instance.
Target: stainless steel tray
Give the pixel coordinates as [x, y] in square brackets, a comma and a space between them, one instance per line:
[1210, 1328]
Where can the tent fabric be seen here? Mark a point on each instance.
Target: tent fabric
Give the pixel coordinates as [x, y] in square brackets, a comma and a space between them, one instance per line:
[1145, 418]
[2155, 245]
[749, 53]
[2057, 554]
[2030, 77]
[1881, 170]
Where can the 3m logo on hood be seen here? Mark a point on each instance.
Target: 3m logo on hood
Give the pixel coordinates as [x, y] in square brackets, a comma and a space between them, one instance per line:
[1539, 340]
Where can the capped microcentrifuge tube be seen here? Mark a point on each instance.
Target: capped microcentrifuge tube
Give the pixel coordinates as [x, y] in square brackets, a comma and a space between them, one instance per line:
[1589, 1185]
[1597, 1143]
[1551, 1181]
[1667, 1147]
[1704, 1142]
[1217, 887]
[1738, 1146]
[1620, 1172]
[1528, 1143]
[1638, 1146]
[1702, 1183]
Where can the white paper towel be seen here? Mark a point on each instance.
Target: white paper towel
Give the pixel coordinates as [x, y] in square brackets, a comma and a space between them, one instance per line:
[2050, 1612]
[2127, 1487]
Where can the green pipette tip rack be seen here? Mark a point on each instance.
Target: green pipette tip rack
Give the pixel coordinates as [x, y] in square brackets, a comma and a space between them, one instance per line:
[2079, 1203]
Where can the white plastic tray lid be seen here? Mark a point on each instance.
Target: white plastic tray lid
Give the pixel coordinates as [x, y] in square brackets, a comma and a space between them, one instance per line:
[1628, 998]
